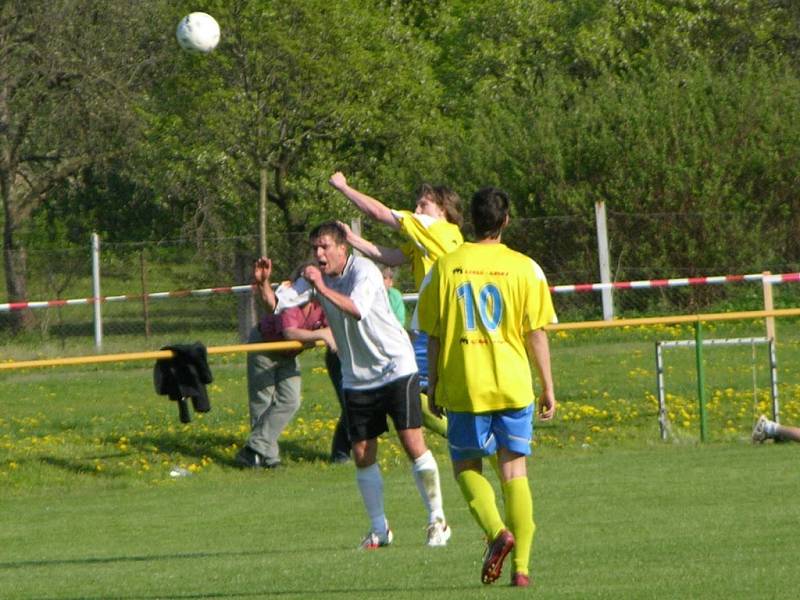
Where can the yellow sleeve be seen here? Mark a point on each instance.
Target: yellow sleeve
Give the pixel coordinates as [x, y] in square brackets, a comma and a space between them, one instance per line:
[428, 304]
[407, 248]
[539, 310]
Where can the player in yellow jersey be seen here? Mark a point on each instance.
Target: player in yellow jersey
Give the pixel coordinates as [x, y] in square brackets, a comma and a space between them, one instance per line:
[431, 231]
[485, 307]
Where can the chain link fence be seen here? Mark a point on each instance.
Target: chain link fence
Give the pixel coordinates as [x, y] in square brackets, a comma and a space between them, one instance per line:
[565, 247]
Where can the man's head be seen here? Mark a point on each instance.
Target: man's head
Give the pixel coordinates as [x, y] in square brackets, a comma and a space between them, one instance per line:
[489, 211]
[439, 202]
[329, 247]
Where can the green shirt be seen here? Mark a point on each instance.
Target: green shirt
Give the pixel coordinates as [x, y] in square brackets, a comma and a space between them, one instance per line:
[397, 305]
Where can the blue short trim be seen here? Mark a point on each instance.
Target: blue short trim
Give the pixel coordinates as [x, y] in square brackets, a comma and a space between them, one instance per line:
[420, 343]
[472, 435]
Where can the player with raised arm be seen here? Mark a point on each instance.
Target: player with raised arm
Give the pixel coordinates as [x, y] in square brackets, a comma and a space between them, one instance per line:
[379, 378]
[484, 307]
[431, 230]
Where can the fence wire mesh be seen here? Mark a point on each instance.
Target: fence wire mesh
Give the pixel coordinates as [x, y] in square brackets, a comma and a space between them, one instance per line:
[642, 247]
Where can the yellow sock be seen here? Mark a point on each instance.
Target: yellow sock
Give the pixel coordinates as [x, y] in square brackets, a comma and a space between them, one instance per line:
[431, 421]
[479, 495]
[519, 515]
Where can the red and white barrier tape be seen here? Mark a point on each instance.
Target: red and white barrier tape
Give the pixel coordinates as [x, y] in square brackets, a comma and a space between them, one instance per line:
[556, 289]
[238, 289]
[680, 282]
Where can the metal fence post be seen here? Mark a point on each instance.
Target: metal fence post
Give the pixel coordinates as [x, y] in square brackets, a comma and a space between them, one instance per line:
[602, 252]
[355, 226]
[98, 314]
[769, 304]
[145, 300]
[662, 404]
[701, 379]
[773, 381]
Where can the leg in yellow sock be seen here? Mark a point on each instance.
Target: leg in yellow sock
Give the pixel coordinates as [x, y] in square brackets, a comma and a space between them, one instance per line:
[480, 498]
[519, 515]
[431, 421]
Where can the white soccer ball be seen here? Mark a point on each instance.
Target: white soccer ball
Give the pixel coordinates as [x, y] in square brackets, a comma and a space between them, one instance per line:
[198, 32]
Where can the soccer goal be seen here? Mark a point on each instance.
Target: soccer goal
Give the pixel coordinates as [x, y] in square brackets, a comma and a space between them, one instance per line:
[663, 419]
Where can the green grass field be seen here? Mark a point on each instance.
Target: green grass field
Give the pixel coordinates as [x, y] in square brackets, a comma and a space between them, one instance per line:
[88, 508]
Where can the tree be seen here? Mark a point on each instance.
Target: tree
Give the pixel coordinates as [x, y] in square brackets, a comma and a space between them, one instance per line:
[69, 71]
[653, 106]
[297, 89]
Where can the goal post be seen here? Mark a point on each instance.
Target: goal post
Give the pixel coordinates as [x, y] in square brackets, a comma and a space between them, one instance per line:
[660, 346]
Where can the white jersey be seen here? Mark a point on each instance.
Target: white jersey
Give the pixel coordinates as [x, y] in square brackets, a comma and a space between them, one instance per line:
[375, 349]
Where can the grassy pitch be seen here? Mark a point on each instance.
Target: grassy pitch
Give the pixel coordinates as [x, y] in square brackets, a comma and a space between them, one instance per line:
[88, 508]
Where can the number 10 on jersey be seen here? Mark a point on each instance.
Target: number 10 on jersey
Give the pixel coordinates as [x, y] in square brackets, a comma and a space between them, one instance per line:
[490, 306]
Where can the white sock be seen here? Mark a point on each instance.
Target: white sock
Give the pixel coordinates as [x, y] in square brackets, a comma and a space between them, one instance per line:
[426, 476]
[370, 483]
[771, 428]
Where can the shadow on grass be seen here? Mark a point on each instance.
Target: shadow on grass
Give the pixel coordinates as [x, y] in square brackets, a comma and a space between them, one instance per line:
[216, 446]
[91, 560]
[97, 560]
[294, 593]
[345, 592]
[191, 446]
[85, 466]
[294, 451]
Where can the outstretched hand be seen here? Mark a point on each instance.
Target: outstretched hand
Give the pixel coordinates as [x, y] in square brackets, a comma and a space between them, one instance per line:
[262, 270]
[338, 180]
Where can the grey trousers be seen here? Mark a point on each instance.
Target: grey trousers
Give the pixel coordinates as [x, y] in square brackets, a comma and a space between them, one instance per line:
[273, 388]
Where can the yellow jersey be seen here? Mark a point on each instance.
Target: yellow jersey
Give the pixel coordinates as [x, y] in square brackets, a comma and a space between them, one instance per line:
[428, 240]
[480, 300]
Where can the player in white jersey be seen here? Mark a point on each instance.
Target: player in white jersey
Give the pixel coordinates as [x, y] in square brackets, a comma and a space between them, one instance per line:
[431, 230]
[379, 378]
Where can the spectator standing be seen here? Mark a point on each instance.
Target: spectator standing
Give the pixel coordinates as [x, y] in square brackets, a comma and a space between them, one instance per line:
[273, 377]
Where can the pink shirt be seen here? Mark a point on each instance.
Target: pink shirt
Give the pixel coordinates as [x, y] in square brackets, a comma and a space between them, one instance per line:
[309, 316]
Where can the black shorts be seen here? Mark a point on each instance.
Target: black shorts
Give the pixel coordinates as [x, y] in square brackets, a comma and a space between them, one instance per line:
[367, 410]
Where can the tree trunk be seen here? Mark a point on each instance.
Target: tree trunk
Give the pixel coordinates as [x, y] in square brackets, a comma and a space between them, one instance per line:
[246, 305]
[15, 264]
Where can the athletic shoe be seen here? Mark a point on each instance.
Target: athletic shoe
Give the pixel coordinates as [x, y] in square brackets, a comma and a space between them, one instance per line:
[247, 457]
[496, 553]
[374, 540]
[520, 580]
[760, 430]
[438, 534]
[340, 458]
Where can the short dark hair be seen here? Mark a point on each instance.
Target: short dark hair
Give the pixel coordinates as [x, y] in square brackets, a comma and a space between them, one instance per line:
[330, 228]
[489, 210]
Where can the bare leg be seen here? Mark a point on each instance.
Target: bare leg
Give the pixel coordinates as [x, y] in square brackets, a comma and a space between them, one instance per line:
[788, 433]
[413, 442]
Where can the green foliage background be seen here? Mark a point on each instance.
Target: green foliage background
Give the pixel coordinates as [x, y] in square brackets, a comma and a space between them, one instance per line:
[656, 107]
